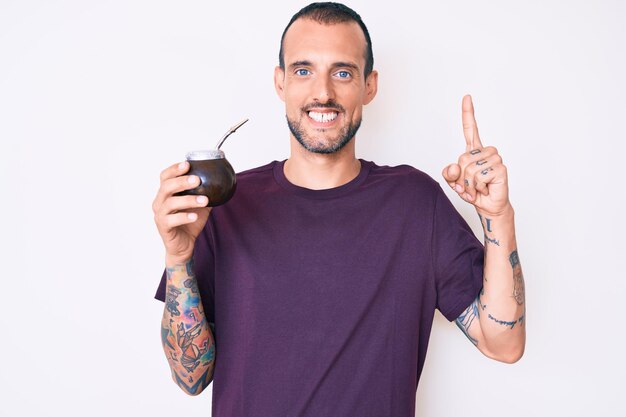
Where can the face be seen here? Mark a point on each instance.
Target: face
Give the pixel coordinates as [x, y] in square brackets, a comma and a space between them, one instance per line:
[323, 85]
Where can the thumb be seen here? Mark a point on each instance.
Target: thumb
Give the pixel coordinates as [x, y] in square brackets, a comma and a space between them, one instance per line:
[451, 174]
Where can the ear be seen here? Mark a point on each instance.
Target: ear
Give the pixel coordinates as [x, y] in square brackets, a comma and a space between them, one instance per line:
[279, 82]
[371, 87]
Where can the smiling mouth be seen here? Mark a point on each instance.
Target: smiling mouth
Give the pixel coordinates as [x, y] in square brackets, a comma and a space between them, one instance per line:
[322, 117]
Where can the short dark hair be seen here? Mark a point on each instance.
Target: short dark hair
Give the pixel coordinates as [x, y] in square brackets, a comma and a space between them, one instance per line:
[331, 13]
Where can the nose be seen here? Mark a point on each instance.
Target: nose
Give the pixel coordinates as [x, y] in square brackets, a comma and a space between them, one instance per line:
[324, 91]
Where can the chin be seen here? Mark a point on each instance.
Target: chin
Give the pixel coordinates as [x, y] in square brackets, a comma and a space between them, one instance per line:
[324, 148]
[330, 146]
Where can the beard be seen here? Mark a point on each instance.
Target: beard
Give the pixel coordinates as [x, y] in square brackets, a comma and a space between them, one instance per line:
[316, 145]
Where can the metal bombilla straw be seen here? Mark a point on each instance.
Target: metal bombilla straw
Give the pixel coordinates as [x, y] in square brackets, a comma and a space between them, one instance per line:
[230, 132]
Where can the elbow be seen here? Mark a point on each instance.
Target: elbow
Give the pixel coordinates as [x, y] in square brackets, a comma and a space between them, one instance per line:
[194, 393]
[193, 390]
[513, 357]
[510, 356]
[191, 394]
[508, 353]
[197, 387]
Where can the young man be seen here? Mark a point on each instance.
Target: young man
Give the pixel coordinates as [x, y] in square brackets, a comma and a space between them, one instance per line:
[312, 292]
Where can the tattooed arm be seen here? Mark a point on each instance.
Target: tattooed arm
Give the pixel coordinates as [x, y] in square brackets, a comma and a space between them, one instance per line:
[185, 333]
[187, 339]
[496, 321]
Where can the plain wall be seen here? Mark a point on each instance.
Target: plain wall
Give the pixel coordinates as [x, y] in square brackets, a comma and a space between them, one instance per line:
[97, 97]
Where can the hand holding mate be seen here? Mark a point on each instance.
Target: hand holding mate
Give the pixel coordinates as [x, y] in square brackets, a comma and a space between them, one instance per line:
[186, 335]
[179, 219]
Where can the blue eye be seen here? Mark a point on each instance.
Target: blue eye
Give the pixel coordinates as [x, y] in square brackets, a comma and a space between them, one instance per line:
[302, 71]
[343, 74]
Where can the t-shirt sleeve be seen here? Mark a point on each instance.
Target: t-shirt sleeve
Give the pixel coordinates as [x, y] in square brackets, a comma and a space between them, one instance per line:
[458, 259]
[204, 269]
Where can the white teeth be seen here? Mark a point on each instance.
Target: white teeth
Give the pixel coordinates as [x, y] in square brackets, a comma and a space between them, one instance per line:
[322, 117]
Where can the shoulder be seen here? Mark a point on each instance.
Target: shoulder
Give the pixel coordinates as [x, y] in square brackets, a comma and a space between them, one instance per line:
[253, 187]
[404, 176]
[260, 171]
[255, 178]
[254, 184]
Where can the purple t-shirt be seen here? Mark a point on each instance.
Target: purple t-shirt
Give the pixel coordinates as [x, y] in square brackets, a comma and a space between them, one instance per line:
[323, 300]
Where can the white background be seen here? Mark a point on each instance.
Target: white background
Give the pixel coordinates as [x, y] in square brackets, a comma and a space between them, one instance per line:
[97, 97]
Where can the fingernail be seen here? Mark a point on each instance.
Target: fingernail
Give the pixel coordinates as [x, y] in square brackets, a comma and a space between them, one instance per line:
[201, 199]
[458, 188]
[192, 179]
[182, 165]
[192, 216]
[469, 197]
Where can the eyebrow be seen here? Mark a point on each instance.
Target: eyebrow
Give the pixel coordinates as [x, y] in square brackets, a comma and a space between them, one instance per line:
[346, 65]
[300, 64]
[305, 63]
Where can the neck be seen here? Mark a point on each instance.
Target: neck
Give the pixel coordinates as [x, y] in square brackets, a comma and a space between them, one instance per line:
[321, 171]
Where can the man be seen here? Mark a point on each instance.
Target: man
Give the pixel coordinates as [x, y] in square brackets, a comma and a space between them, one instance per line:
[312, 292]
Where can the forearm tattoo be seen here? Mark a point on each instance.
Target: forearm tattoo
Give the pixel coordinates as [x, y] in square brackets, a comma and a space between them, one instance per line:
[170, 300]
[487, 229]
[518, 278]
[185, 333]
[510, 324]
[492, 241]
[488, 224]
[466, 319]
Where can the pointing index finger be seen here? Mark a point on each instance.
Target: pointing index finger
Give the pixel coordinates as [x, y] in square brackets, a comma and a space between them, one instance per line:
[470, 129]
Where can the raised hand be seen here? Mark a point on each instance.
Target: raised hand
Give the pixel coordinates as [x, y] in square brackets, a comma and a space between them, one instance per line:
[180, 219]
[479, 177]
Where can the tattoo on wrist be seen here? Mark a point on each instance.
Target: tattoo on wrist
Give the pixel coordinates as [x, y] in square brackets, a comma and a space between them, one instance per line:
[492, 241]
[487, 225]
[487, 228]
[518, 279]
[187, 268]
